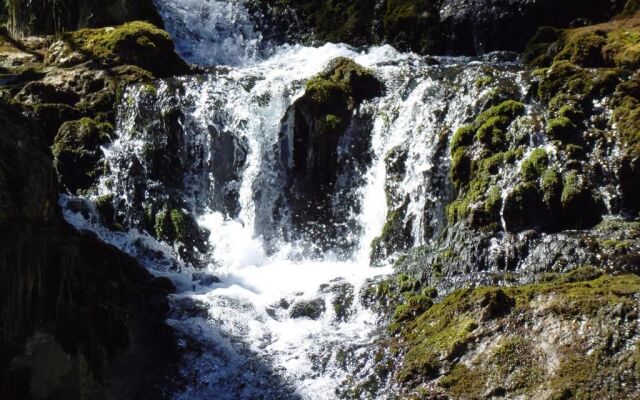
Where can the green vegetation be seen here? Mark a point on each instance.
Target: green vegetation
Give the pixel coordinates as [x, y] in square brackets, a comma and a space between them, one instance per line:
[473, 176]
[535, 165]
[435, 341]
[395, 236]
[137, 43]
[175, 225]
[610, 44]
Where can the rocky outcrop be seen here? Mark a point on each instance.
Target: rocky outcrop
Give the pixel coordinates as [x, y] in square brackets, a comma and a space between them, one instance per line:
[320, 119]
[76, 313]
[80, 319]
[542, 236]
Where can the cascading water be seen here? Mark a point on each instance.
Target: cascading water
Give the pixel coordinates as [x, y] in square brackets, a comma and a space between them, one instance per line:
[278, 319]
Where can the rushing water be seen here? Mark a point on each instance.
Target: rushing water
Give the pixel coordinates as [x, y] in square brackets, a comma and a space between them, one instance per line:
[240, 336]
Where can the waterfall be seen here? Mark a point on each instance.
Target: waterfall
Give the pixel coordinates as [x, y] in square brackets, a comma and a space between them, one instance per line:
[264, 317]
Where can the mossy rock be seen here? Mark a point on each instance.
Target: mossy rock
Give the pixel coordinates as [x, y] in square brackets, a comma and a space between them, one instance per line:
[610, 44]
[321, 116]
[77, 153]
[581, 209]
[473, 341]
[533, 167]
[175, 225]
[396, 235]
[478, 150]
[584, 85]
[312, 309]
[136, 43]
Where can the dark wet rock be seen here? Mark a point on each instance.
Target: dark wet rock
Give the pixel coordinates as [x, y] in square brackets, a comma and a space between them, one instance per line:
[427, 27]
[318, 121]
[342, 299]
[77, 153]
[67, 295]
[205, 279]
[312, 309]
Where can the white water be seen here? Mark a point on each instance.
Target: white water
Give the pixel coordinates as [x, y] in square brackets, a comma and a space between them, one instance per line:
[245, 345]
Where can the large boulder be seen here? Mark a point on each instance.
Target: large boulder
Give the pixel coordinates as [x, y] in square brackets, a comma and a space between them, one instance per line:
[320, 119]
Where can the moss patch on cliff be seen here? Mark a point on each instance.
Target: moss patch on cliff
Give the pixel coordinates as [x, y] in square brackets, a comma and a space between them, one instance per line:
[471, 173]
[610, 44]
[476, 341]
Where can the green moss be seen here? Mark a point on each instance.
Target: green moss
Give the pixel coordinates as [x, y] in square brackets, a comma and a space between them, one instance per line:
[414, 305]
[323, 91]
[462, 137]
[333, 122]
[509, 109]
[137, 43]
[610, 44]
[581, 84]
[551, 185]
[460, 168]
[491, 132]
[483, 81]
[533, 167]
[164, 226]
[473, 177]
[562, 129]
[435, 341]
[180, 220]
[344, 77]
[572, 189]
[494, 201]
[572, 112]
[626, 115]
[396, 235]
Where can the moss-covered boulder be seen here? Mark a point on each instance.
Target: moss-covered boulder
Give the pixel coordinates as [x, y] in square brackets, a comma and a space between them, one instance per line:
[396, 235]
[312, 309]
[320, 118]
[78, 154]
[135, 43]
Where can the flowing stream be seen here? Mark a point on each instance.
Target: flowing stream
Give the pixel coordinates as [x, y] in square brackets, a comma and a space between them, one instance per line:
[267, 315]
